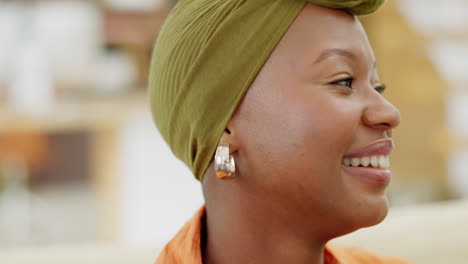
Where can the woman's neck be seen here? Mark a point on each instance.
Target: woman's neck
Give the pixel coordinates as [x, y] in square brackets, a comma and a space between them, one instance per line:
[233, 234]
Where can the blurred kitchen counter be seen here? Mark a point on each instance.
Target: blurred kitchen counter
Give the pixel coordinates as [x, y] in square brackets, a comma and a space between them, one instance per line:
[72, 115]
[79, 254]
[103, 119]
[430, 233]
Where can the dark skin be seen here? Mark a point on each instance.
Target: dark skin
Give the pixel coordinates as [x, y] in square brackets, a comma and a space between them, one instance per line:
[316, 99]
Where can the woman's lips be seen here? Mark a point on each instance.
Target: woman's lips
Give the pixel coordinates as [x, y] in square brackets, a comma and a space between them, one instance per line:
[376, 176]
[382, 147]
[371, 162]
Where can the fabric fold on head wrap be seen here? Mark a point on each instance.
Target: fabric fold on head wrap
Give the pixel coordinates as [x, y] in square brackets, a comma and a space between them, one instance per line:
[206, 56]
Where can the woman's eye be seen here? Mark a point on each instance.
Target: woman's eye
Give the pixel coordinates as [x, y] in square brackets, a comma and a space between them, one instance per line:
[348, 82]
[381, 88]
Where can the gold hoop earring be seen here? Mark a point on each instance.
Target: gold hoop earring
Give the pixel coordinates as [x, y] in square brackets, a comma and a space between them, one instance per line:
[225, 166]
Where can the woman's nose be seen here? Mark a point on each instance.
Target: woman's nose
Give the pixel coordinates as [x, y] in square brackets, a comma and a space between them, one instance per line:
[381, 114]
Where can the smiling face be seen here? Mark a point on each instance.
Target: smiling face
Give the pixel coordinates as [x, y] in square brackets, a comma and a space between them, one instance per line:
[316, 105]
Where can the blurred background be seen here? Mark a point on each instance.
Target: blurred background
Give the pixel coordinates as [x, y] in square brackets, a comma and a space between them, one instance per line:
[83, 169]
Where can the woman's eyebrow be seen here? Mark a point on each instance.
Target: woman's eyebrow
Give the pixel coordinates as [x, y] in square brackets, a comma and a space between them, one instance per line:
[342, 52]
[334, 51]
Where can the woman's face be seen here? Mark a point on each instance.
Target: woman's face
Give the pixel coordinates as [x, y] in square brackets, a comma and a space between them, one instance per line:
[315, 103]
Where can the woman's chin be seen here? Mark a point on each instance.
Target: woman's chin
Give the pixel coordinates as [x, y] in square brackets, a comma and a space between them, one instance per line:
[374, 214]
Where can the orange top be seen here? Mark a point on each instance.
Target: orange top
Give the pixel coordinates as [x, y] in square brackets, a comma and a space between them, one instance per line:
[185, 248]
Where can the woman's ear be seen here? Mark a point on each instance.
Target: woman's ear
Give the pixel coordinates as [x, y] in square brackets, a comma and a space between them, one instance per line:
[231, 137]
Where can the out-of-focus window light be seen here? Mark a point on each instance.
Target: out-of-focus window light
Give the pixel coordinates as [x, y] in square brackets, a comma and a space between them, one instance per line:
[136, 5]
[434, 16]
[450, 58]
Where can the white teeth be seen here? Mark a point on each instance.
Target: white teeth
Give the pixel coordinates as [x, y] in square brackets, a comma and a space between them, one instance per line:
[384, 163]
[347, 162]
[381, 162]
[365, 161]
[355, 162]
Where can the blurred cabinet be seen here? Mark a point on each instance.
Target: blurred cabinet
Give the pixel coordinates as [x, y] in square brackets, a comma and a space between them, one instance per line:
[134, 33]
[117, 27]
[101, 120]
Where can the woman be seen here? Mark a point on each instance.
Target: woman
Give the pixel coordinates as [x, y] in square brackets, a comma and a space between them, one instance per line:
[276, 107]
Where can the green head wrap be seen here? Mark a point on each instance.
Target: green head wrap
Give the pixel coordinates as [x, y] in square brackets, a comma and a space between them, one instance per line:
[206, 57]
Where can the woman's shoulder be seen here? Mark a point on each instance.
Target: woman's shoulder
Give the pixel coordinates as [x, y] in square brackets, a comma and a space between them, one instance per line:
[185, 246]
[352, 255]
